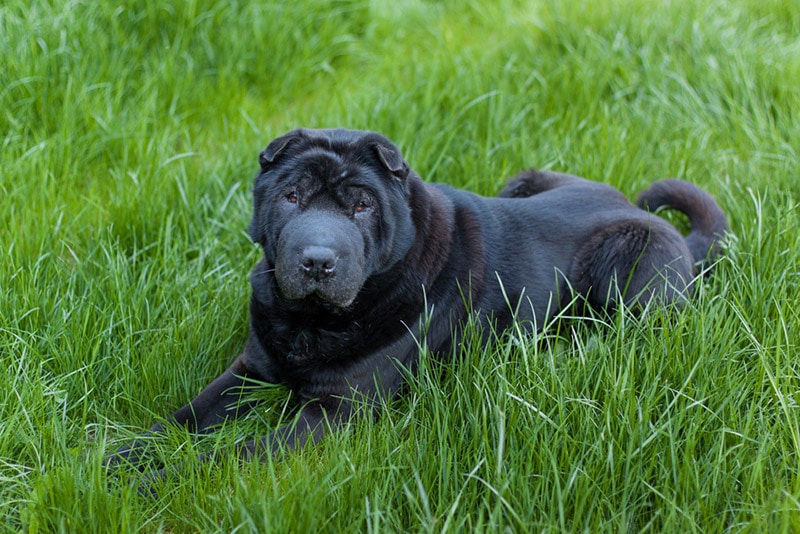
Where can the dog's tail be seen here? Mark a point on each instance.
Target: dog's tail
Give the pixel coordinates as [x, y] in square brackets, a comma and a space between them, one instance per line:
[706, 218]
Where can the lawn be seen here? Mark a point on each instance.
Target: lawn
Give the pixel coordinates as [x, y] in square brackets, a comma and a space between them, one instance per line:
[128, 143]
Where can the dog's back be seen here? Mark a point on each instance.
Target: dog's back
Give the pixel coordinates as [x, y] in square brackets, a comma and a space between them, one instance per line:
[707, 219]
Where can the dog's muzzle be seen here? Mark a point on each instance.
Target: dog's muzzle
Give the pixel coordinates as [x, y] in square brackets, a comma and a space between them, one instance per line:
[320, 254]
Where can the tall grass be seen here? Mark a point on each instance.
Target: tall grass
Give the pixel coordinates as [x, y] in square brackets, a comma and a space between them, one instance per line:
[129, 136]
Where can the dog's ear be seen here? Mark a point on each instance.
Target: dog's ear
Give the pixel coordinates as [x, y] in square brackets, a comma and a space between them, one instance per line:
[392, 159]
[269, 155]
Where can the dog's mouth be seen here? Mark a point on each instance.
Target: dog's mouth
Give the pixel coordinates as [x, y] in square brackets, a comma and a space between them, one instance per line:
[318, 302]
[329, 295]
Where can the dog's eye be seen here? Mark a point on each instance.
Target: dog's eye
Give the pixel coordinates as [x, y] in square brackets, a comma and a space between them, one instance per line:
[291, 198]
[362, 206]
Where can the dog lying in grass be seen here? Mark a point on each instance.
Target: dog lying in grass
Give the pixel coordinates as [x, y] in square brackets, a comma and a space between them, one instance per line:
[362, 260]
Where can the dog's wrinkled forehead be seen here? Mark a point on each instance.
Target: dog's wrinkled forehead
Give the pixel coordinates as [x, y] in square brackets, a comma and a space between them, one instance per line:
[323, 164]
[334, 154]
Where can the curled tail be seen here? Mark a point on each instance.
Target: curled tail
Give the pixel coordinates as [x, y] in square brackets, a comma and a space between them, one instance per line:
[706, 218]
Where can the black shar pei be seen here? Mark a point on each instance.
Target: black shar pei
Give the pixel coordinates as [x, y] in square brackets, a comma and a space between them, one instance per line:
[362, 260]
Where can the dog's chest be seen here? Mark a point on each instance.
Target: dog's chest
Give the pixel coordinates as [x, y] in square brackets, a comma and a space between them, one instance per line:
[302, 346]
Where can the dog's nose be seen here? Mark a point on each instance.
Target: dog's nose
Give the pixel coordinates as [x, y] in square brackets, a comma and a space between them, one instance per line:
[318, 262]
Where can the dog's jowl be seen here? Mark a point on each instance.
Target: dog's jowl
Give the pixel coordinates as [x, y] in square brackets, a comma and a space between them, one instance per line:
[362, 258]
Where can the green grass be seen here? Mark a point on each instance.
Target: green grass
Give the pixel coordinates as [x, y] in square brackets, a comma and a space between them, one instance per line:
[128, 142]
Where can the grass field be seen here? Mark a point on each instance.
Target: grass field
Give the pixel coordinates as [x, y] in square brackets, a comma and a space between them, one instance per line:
[128, 144]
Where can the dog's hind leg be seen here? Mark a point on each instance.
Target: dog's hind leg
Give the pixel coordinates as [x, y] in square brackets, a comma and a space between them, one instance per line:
[634, 263]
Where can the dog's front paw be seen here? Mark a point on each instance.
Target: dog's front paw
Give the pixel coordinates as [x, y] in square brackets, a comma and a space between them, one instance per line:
[146, 485]
[131, 455]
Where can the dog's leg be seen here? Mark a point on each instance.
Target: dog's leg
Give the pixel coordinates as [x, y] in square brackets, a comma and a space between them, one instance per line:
[219, 401]
[311, 424]
[633, 263]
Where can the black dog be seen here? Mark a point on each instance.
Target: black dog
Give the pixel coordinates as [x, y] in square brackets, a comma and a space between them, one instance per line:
[362, 260]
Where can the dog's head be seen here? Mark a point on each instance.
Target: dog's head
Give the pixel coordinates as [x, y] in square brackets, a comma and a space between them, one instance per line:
[331, 210]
